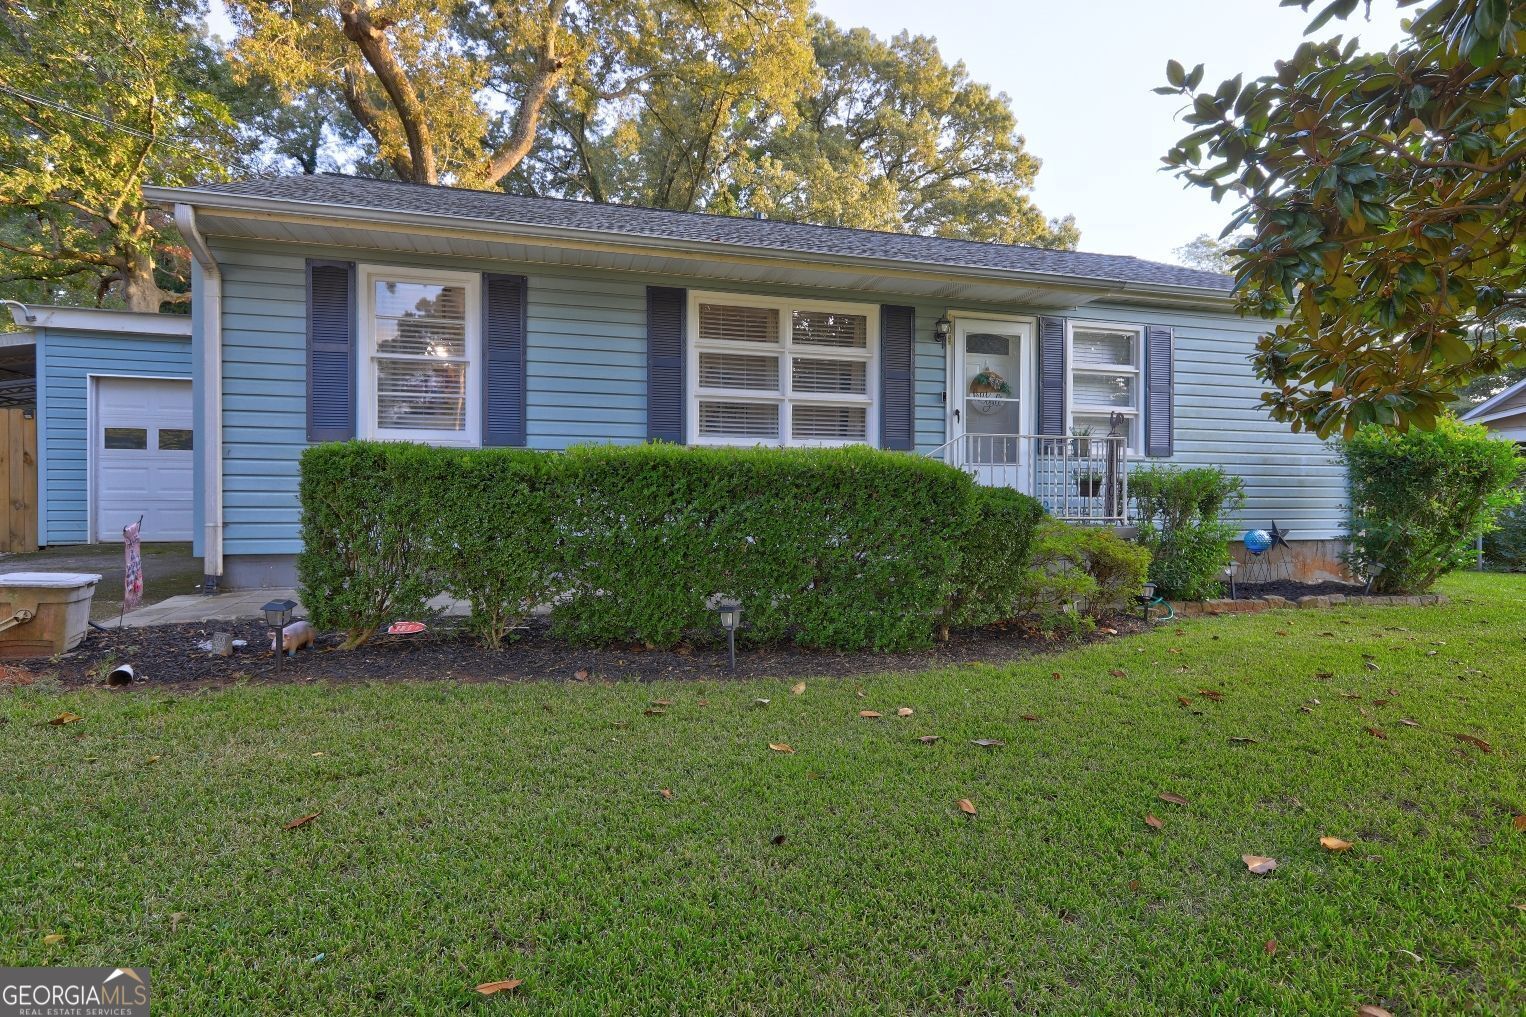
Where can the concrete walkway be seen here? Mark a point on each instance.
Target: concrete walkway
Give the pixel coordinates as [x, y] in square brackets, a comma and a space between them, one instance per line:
[240, 605]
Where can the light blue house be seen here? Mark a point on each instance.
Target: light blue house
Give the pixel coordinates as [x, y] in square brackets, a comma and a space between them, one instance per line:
[329, 307]
[115, 439]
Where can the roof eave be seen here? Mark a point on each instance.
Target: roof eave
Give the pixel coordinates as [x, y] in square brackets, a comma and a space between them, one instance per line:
[316, 211]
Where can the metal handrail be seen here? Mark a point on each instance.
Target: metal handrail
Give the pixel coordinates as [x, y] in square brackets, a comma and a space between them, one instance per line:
[1077, 478]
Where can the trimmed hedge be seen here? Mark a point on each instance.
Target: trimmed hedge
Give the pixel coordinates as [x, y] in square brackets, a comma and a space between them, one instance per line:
[843, 548]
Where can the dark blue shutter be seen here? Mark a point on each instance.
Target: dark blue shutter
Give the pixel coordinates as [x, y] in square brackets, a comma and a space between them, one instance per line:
[503, 346]
[330, 350]
[665, 397]
[898, 343]
[1052, 376]
[1159, 390]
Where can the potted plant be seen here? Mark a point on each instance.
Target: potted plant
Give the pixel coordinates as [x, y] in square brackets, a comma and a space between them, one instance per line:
[1089, 483]
[1083, 435]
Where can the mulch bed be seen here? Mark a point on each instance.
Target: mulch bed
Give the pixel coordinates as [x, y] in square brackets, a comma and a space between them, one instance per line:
[1293, 590]
[168, 656]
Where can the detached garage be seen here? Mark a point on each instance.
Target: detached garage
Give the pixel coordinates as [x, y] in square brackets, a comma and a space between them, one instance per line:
[115, 430]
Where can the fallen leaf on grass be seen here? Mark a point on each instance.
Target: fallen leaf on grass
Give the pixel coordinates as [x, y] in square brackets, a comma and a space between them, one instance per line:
[1371, 665]
[1519, 907]
[1133, 886]
[1271, 948]
[904, 711]
[1519, 822]
[1031, 717]
[760, 702]
[1109, 630]
[1174, 799]
[489, 988]
[1243, 740]
[1213, 694]
[1475, 741]
[1184, 701]
[1335, 845]
[869, 714]
[776, 839]
[797, 689]
[662, 703]
[1378, 732]
[53, 939]
[1118, 672]
[1325, 676]
[781, 747]
[655, 711]
[300, 821]
[667, 793]
[929, 739]
[1409, 723]
[1056, 675]
[1154, 822]
[1370, 1010]
[581, 675]
[988, 743]
[1259, 864]
[65, 718]
[153, 759]
[966, 806]
[1380, 702]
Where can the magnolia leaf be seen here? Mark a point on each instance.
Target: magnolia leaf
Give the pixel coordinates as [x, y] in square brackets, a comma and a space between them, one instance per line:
[1475, 741]
[65, 718]
[1335, 845]
[1271, 948]
[1408, 723]
[1371, 1010]
[581, 675]
[904, 711]
[662, 703]
[1184, 701]
[1519, 822]
[929, 739]
[1371, 665]
[153, 759]
[1117, 672]
[1243, 740]
[53, 939]
[1259, 864]
[1056, 675]
[1378, 732]
[301, 821]
[1213, 694]
[1174, 799]
[988, 743]
[869, 714]
[1154, 822]
[966, 806]
[776, 839]
[797, 689]
[489, 988]
[760, 702]
[667, 793]
[653, 711]
[781, 747]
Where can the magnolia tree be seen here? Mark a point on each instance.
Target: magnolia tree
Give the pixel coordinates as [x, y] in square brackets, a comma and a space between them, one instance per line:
[1383, 208]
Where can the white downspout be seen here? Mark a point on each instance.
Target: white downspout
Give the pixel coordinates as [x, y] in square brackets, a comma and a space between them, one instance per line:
[211, 299]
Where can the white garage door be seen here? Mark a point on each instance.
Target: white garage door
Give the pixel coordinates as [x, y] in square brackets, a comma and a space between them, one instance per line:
[143, 457]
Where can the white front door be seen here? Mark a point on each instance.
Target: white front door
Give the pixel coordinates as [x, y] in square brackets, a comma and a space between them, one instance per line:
[992, 404]
[143, 453]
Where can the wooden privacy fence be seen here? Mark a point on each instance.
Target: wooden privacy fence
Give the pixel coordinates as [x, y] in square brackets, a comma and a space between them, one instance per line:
[18, 479]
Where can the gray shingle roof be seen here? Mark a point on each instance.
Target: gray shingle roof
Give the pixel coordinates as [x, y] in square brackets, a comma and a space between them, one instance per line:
[801, 238]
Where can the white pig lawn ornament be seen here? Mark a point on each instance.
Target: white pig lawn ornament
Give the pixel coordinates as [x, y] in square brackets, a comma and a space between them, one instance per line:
[296, 636]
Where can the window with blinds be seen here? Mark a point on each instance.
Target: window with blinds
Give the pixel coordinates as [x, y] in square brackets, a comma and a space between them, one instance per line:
[421, 335]
[780, 372]
[1105, 379]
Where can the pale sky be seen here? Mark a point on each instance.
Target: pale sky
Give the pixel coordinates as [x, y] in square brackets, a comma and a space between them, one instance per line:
[1080, 74]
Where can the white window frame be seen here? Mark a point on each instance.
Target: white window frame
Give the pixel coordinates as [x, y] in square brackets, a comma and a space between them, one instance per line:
[787, 349]
[1133, 414]
[366, 375]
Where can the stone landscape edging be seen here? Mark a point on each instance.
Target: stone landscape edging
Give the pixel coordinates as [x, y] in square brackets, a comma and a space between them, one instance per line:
[1198, 608]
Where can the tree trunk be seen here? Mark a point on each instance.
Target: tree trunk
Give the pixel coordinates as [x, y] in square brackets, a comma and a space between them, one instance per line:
[139, 289]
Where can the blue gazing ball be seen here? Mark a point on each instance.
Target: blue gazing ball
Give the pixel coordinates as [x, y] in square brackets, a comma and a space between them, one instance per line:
[1257, 541]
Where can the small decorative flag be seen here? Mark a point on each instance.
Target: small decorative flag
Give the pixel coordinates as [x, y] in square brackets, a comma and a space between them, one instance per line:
[132, 574]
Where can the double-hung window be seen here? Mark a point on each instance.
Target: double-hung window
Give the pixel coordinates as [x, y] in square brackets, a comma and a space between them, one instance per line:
[1105, 378]
[420, 367]
[765, 371]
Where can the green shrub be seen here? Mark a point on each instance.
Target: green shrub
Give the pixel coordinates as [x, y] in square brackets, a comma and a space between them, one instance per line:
[1181, 523]
[495, 538]
[1505, 545]
[367, 512]
[845, 548]
[993, 581]
[1420, 499]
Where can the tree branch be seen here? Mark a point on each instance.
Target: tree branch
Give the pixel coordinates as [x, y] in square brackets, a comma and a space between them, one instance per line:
[370, 36]
[548, 70]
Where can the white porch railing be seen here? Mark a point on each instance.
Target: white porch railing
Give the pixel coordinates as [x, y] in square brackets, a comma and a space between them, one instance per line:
[1078, 479]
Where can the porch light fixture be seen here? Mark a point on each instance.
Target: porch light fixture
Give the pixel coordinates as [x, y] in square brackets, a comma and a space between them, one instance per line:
[942, 328]
[730, 611]
[277, 615]
[1147, 599]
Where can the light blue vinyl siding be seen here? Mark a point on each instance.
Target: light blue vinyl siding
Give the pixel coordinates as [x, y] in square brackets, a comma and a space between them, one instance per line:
[65, 360]
[586, 382]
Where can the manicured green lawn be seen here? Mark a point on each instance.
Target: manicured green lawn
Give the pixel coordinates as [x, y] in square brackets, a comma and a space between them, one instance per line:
[469, 833]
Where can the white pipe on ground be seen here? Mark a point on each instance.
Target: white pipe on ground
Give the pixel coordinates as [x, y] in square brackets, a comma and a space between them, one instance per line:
[211, 299]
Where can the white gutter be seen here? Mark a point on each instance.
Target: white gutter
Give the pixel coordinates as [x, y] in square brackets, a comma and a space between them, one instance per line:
[211, 298]
[612, 240]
